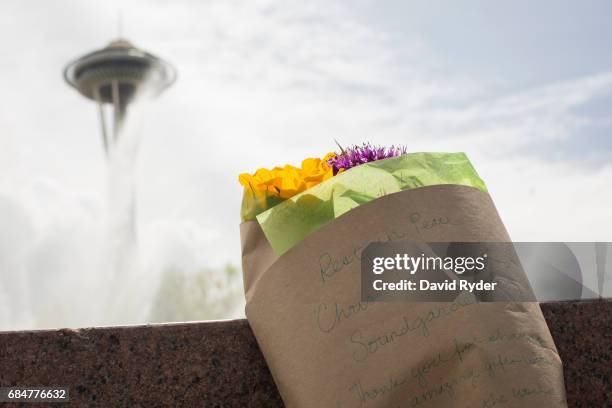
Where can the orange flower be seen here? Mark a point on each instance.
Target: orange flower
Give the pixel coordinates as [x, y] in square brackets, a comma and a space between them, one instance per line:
[266, 188]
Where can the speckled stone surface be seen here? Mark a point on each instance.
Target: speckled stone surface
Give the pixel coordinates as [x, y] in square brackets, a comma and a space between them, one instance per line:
[213, 365]
[218, 364]
[583, 335]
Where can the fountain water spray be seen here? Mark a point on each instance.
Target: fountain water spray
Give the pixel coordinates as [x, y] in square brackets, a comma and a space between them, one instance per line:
[116, 78]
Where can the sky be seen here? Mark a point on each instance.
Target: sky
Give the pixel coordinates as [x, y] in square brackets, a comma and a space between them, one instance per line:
[523, 89]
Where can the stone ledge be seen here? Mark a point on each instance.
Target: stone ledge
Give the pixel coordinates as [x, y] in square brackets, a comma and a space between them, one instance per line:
[218, 364]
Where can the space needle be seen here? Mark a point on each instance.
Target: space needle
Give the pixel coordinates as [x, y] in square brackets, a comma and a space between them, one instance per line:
[113, 76]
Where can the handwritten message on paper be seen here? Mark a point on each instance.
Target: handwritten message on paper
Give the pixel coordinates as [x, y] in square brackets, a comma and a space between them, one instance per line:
[426, 380]
[328, 347]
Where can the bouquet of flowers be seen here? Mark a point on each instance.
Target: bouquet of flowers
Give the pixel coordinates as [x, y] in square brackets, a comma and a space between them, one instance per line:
[303, 231]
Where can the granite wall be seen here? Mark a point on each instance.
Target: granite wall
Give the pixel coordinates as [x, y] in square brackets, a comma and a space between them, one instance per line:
[218, 364]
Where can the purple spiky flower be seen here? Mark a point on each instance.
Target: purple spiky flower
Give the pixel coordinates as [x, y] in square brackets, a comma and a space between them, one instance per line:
[356, 155]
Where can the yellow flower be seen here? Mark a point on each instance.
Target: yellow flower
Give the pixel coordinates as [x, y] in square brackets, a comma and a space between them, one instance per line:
[291, 182]
[314, 171]
[266, 188]
[328, 156]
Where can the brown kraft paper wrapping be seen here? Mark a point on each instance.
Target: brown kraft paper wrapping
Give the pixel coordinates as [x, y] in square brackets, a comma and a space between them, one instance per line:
[326, 348]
